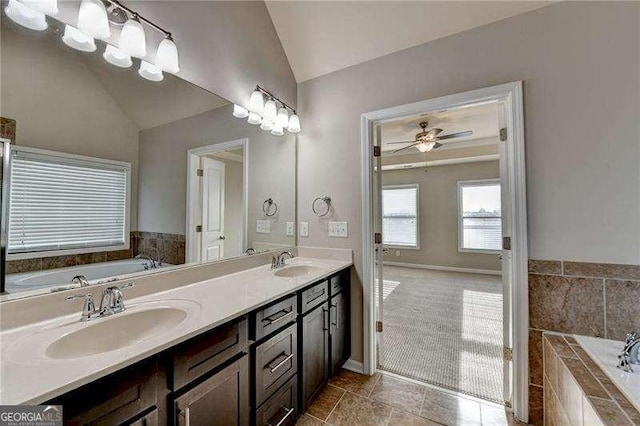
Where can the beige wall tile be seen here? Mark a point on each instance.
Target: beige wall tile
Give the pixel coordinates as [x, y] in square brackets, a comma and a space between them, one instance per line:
[536, 405]
[569, 394]
[589, 415]
[535, 357]
[602, 270]
[623, 315]
[548, 267]
[609, 412]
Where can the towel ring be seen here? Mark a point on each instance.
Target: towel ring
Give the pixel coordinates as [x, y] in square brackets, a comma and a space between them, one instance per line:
[327, 201]
[266, 207]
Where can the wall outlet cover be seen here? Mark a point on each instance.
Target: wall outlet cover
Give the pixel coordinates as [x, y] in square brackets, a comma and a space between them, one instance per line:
[290, 229]
[263, 226]
[398, 253]
[304, 229]
[338, 229]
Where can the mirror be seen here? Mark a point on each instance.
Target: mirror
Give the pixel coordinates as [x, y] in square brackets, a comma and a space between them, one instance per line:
[113, 175]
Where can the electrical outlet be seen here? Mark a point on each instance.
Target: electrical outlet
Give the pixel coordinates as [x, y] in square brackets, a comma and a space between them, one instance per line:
[290, 229]
[397, 253]
[263, 226]
[338, 229]
[304, 229]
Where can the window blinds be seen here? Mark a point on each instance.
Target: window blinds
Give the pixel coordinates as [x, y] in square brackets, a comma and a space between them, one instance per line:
[62, 203]
[399, 216]
[481, 216]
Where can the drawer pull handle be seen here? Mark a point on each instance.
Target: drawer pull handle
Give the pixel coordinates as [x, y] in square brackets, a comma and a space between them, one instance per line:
[281, 363]
[283, 419]
[280, 318]
[185, 413]
[337, 323]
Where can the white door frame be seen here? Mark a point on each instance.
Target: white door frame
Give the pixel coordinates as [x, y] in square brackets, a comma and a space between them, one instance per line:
[511, 95]
[192, 244]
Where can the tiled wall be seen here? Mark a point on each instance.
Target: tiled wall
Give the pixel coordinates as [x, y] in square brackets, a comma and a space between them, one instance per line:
[593, 299]
[168, 247]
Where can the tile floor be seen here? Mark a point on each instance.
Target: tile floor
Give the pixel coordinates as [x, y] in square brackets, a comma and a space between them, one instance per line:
[353, 399]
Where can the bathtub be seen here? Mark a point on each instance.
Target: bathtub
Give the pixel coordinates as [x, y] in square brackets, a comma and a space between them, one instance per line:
[95, 273]
[605, 353]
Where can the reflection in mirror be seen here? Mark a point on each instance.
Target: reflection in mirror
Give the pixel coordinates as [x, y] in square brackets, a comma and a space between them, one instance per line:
[112, 175]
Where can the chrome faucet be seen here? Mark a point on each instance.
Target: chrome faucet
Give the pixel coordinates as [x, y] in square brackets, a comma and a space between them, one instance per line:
[279, 260]
[112, 302]
[153, 262]
[630, 353]
[80, 279]
[250, 251]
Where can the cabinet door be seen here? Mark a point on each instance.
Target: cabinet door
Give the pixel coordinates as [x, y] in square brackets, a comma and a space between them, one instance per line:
[315, 353]
[222, 399]
[281, 408]
[340, 336]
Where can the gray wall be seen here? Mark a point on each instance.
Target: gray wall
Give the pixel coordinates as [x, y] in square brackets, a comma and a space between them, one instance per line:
[438, 215]
[580, 65]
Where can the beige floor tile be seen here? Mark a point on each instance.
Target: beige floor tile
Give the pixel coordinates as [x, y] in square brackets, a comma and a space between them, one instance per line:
[325, 402]
[450, 409]
[353, 382]
[399, 393]
[402, 418]
[355, 410]
[306, 420]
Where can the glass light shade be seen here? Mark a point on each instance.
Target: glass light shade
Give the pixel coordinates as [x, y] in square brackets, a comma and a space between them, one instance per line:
[48, 7]
[240, 112]
[150, 72]
[294, 124]
[167, 56]
[277, 129]
[266, 124]
[117, 57]
[92, 19]
[256, 103]
[25, 16]
[254, 118]
[283, 117]
[425, 146]
[270, 110]
[78, 40]
[132, 39]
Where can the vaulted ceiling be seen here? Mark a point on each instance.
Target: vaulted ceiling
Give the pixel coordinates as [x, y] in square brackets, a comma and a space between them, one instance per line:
[320, 37]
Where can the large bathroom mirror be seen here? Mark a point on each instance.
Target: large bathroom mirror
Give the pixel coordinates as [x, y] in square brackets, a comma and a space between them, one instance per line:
[111, 174]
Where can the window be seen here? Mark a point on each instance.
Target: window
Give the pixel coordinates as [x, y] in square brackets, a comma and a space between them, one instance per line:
[61, 203]
[400, 215]
[479, 218]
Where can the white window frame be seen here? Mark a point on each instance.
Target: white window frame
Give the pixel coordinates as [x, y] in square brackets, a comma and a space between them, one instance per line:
[405, 186]
[467, 183]
[90, 160]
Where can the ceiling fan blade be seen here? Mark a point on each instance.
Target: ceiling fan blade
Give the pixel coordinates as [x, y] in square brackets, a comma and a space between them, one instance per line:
[437, 145]
[455, 135]
[391, 143]
[405, 147]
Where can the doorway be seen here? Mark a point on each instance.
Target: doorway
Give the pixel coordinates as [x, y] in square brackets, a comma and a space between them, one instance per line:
[440, 296]
[216, 201]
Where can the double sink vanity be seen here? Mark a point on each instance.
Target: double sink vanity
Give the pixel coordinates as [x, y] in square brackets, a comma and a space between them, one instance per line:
[250, 347]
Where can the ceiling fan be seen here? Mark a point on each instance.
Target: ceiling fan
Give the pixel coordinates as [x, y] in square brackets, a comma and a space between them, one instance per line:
[427, 140]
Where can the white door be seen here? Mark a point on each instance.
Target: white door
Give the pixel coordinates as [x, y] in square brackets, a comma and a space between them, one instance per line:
[379, 248]
[212, 239]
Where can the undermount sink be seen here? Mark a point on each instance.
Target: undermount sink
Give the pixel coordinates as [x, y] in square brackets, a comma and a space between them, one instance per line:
[297, 271]
[115, 332]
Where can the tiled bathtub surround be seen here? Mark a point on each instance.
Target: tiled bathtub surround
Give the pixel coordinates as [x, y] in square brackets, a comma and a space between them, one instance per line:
[577, 391]
[593, 299]
[168, 247]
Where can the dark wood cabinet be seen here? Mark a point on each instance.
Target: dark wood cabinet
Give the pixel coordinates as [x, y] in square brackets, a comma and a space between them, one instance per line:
[340, 333]
[275, 362]
[315, 353]
[222, 399]
[281, 408]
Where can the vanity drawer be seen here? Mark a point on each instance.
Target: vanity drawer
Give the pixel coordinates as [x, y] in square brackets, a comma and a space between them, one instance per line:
[313, 296]
[273, 317]
[204, 353]
[339, 283]
[276, 361]
[282, 407]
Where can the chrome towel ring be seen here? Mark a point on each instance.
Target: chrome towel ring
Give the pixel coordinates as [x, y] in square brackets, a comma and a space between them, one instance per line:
[269, 207]
[318, 211]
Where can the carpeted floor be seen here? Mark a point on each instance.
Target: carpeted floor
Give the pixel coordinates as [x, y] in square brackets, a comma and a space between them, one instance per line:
[444, 328]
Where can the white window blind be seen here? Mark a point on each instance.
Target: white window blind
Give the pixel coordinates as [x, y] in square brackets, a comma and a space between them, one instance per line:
[400, 215]
[480, 215]
[60, 202]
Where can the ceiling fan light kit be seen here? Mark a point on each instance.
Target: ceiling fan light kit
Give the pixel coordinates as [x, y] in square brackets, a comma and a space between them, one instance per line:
[427, 140]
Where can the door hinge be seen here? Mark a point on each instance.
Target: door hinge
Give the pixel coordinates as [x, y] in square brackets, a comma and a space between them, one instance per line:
[507, 353]
[377, 238]
[506, 243]
[200, 172]
[376, 151]
[379, 326]
[507, 404]
[503, 134]
[198, 228]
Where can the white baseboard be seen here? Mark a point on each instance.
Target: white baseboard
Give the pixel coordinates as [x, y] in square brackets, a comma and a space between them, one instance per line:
[353, 365]
[444, 268]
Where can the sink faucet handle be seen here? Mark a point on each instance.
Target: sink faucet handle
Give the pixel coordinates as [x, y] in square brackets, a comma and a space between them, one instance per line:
[126, 286]
[89, 307]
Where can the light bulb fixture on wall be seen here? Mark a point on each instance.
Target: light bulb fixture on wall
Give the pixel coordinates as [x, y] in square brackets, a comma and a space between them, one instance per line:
[267, 114]
[117, 57]
[23, 15]
[132, 38]
[149, 71]
[93, 19]
[78, 40]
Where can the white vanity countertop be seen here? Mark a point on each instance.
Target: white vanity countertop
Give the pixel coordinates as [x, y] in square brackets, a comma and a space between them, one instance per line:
[28, 376]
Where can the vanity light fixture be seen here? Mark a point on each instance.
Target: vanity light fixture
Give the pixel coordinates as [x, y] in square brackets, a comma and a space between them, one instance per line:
[149, 71]
[167, 55]
[27, 17]
[273, 119]
[117, 57]
[132, 38]
[78, 40]
[48, 7]
[93, 20]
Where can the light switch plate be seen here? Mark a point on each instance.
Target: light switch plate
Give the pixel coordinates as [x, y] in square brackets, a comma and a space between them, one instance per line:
[304, 229]
[338, 229]
[263, 226]
[290, 229]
